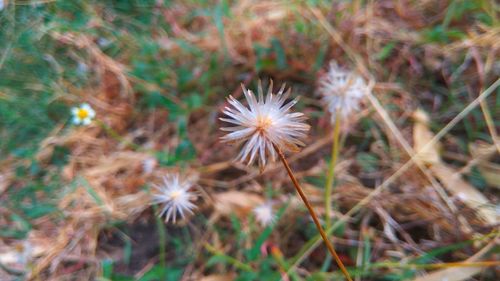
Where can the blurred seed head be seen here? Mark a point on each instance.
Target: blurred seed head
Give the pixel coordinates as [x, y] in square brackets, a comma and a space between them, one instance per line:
[264, 214]
[103, 42]
[83, 114]
[148, 165]
[81, 68]
[175, 196]
[24, 252]
[267, 121]
[342, 91]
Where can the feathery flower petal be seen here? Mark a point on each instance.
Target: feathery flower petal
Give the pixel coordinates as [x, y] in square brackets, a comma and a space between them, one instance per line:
[83, 114]
[264, 123]
[264, 214]
[175, 196]
[342, 91]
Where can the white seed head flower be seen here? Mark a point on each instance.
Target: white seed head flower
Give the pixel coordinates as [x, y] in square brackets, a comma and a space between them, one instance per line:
[265, 123]
[342, 91]
[175, 196]
[82, 114]
[264, 214]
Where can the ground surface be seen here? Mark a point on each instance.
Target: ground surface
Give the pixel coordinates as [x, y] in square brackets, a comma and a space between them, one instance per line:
[75, 200]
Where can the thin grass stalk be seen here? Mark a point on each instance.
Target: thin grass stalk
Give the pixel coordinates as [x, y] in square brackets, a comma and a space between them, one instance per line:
[111, 132]
[490, 124]
[233, 261]
[435, 265]
[162, 238]
[331, 171]
[302, 195]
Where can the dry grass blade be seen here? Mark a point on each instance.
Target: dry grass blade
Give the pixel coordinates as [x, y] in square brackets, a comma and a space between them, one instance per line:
[451, 274]
[219, 277]
[235, 202]
[451, 179]
[484, 154]
[460, 273]
[466, 192]
[338, 39]
[428, 153]
[105, 62]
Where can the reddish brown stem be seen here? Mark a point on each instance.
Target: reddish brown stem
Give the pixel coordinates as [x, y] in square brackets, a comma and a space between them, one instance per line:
[313, 214]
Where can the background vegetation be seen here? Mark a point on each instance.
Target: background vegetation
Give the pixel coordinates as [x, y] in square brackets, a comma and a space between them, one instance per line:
[157, 74]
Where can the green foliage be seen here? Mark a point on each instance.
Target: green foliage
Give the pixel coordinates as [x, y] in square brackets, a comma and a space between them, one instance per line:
[439, 34]
[367, 161]
[270, 57]
[458, 10]
[477, 179]
[266, 264]
[253, 253]
[42, 77]
[26, 203]
[156, 273]
[386, 51]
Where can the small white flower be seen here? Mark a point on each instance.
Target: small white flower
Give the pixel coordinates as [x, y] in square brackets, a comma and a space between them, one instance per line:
[264, 214]
[176, 197]
[148, 165]
[82, 114]
[82, 68]
[24, 252]
[341, 91]
[103, 42]
[264, 124]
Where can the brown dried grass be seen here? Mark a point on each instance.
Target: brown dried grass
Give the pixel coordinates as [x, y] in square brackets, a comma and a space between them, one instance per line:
[116, 174]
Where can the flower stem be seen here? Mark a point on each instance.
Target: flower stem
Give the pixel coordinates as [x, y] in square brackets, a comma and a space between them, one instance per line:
[302, 195]
[331, 171]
